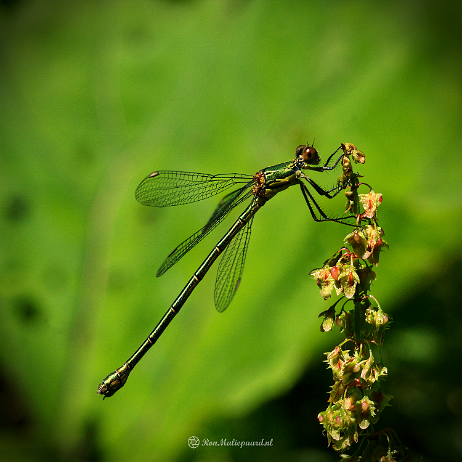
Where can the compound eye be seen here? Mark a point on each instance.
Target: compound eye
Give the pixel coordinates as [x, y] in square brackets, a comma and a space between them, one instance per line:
[310, 154]
[299, 150]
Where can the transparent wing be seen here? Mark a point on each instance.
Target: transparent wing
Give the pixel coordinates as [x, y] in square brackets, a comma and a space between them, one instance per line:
[224, 207]
[165, 187]
[231, 268]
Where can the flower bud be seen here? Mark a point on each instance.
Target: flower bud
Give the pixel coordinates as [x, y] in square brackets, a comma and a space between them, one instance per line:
[335, 272]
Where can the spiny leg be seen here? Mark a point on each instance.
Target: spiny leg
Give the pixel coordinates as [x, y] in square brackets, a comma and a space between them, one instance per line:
[326, 192]
[309, 198]
[325, 167]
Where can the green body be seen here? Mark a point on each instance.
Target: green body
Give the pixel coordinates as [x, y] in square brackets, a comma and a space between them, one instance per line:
[265, 185]
[279, 177]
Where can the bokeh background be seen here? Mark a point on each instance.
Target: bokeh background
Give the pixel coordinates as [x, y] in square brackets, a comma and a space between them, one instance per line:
[94, 96]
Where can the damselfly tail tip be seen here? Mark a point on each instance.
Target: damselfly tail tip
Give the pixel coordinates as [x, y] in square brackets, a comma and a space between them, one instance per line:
[114, 381]
[102, 389]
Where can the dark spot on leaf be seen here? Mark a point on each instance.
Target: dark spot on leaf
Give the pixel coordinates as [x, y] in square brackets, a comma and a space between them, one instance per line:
[26, 309]
[16, 209]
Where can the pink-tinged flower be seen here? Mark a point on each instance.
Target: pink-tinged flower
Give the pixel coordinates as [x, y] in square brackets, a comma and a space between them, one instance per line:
[358, 156]
[335, 272]
[375, 243]
[350, 148]
[365, 411]
[324, 280]
[358, 242]
[349, 279]
[370, 202]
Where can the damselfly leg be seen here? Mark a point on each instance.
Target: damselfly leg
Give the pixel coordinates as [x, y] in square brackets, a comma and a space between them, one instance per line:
[168, 188]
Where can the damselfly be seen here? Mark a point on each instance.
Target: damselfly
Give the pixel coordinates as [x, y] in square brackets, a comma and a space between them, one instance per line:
[165, 188]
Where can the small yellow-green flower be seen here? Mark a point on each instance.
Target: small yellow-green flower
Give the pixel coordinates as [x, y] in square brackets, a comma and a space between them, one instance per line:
[350, 148]
[375, 243]
[358, 242]
[324, 280]
[370, 202]
[349, 279]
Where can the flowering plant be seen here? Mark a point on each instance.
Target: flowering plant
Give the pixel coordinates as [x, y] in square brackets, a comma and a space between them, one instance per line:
[355, 400]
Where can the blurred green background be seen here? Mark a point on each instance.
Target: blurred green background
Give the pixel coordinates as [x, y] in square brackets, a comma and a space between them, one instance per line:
[96, 95]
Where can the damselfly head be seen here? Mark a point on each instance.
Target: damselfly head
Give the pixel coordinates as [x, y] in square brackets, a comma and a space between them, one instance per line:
[308, 154]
